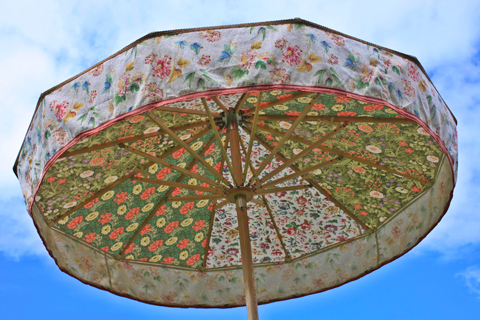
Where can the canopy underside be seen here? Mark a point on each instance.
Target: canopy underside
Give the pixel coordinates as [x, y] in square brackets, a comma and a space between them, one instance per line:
[127, 189]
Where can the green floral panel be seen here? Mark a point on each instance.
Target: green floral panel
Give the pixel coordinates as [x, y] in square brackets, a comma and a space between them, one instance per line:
[325, 105]
[72, 180]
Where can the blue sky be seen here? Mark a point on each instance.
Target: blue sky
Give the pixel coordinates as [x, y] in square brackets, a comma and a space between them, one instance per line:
[44, 43]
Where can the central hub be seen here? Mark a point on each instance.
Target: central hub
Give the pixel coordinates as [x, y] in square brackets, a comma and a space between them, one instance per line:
[230, 120]
[234, 192]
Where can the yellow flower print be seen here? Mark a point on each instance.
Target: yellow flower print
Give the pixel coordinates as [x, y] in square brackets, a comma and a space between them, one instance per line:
[162, 188]
[137, 189]
[202, 203]
[252, 99]
[197, 145]
[182, 165]
[176, 204]
[281, 107]
[192, 182]
[106, 229]
[187, 222]
[145, 241]
[153, 168]
[147, 207]
[182, 63]
[337, 107]
[183, 255]
[63, 221]
[121, 210]
[116, 246]
[210, 161]
[160, 222]
[107, 195]
[275, 92]
[156, 258]
[70, 204]
[129, 66]
[130, 257]
[78, 234]
[91, 216]
[304, 99]
[110, 179]
[151, 130]
[185, 137]
[171, 241]
[132, 227]
[199, 237]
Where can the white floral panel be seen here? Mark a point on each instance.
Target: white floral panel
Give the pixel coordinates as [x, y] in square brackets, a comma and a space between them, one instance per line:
[308, 221]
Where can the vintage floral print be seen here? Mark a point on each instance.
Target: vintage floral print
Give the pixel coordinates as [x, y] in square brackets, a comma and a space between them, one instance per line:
[100, 168]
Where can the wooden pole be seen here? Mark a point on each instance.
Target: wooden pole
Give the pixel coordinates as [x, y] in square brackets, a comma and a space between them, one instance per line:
[247, 262]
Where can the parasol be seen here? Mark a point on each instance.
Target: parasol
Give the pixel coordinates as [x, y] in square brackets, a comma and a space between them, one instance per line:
[237, 165]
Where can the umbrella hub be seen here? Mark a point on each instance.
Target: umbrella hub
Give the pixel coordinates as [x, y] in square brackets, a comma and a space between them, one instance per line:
[231, 120]
[233, 193]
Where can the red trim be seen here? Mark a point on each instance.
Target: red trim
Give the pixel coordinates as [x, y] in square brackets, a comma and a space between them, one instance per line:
[257, 88]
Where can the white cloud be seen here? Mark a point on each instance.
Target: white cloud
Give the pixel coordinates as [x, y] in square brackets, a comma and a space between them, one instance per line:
[471, 276]
[51, 41]
[18, 236]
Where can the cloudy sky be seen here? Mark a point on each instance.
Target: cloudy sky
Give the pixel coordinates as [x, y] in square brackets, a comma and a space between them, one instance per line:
[42, 43]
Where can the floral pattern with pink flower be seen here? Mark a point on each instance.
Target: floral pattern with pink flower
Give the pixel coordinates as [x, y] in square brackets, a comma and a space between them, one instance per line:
[292, 55]
[211, 35]
[204, 60]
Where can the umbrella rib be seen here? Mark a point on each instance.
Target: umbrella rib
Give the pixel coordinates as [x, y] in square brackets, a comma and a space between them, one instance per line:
[219, 103]
[219, 140]
[285, 189]
[250, 143]
[175, 184]
[341, 206]
[187, 147]
[277, 102]
[346, 155]
[303, 153]
[241, 102]
[195, 198]
[182, 110]
[252, 169]
[225, 146]
[96, 195]
[315, 185]
[285, 137]
[373, 164]
[203, 267]
[131, 139]
[172, 166]
[330, 119]
[269, 210]
[300, 173]
[280, 133]
[159, 204]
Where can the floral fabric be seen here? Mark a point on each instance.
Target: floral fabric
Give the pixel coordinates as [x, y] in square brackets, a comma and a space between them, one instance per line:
[90, 165]
[171, 66]
[328, 268]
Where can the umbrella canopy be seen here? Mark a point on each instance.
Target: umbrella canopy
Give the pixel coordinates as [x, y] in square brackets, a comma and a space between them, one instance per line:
[330, 155]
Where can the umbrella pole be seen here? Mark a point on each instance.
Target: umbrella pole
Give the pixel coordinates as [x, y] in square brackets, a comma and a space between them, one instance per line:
[247, 263]
[239, 194]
